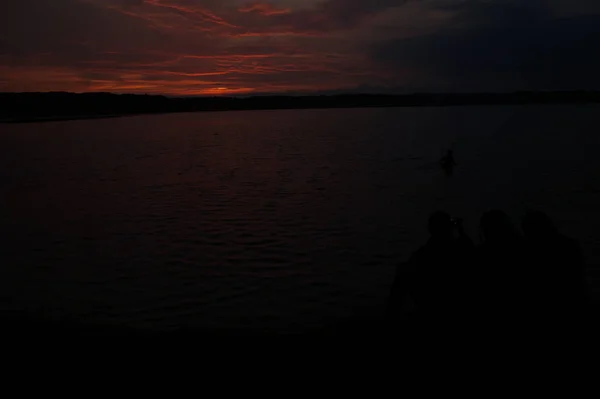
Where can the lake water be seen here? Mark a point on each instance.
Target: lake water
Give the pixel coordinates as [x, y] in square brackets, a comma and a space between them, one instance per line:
[269, 220]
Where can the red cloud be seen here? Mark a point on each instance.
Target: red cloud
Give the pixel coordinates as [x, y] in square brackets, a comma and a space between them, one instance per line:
[264, 9]
[174, 47]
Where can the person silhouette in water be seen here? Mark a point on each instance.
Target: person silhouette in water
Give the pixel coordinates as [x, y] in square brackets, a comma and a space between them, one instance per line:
[556, 265]
[431, 277]
[448, 162]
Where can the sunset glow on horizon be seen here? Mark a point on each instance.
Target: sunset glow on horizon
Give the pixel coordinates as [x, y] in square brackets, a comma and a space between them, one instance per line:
[240, 47]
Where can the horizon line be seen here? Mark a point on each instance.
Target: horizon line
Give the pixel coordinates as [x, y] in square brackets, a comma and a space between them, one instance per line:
[314, 94]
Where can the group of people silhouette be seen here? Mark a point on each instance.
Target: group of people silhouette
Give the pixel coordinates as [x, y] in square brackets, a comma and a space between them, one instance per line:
[538, 273]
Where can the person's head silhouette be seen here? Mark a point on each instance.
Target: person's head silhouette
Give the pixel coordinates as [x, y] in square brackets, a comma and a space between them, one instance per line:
[537, 224]
[497, 227]
[440, 225]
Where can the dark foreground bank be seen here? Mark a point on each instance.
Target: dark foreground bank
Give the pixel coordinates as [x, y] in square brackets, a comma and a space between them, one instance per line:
[31, 329]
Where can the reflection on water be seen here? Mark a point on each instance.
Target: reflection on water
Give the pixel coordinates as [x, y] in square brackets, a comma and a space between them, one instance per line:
[267, 219]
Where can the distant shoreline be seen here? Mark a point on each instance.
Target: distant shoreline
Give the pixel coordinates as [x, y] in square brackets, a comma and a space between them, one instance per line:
[62, 118]
[53, 107]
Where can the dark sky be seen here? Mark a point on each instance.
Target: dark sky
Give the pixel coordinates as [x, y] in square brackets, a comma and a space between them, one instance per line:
[185, 47]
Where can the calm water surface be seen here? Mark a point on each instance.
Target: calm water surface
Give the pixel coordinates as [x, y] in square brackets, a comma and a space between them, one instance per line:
[268, 220]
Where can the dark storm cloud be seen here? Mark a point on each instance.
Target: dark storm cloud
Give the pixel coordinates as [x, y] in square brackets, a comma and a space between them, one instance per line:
[255, 18]
[502, 45]
[350, 13]
[46, 24]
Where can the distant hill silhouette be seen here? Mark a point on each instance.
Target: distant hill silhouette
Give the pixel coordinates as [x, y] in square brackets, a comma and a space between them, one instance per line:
[23, 107]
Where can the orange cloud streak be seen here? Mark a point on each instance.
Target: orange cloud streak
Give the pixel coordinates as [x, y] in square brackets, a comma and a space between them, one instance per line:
[264, 9]
[202, 12]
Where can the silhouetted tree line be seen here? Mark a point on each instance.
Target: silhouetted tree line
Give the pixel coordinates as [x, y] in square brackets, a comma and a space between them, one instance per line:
[27, 106]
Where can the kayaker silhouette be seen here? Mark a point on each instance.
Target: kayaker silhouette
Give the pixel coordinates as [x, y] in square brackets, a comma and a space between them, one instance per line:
[448, 163]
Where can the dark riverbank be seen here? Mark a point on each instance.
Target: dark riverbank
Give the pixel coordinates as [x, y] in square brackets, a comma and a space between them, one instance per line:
[55, 106]
[23, 326]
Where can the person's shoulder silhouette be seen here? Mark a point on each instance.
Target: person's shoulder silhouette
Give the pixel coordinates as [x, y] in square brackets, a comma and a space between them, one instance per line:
[557, 262]
[499, 260]
[443, 246]
[498, 230]
[431, 276]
